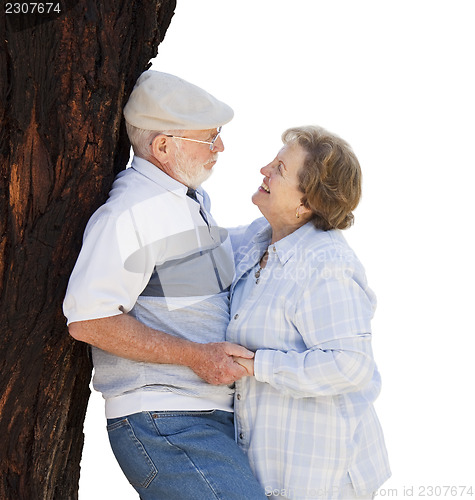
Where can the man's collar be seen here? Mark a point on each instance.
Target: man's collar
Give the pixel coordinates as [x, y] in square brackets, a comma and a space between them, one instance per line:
[157, 175]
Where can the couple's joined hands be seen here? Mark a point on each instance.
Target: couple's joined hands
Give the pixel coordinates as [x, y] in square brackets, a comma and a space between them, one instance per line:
[222, 362]
[247, 363]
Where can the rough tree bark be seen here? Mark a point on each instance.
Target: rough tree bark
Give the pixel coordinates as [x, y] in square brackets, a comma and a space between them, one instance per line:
[64, 79]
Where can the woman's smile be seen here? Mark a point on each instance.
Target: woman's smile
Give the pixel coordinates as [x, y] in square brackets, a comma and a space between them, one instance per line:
[264, 187]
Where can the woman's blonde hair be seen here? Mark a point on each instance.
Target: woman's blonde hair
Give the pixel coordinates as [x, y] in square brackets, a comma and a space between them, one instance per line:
[330, 178]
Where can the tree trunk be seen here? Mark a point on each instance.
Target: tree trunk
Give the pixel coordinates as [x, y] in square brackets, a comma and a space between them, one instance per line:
[64, 80]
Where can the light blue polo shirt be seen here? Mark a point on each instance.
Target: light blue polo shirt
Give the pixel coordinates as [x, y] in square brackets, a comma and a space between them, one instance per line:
[150, 253]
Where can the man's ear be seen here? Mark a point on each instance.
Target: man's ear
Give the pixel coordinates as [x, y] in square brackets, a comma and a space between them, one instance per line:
[160, 147]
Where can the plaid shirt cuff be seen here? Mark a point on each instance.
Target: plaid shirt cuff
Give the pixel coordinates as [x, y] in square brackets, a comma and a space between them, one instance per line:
[264, 365]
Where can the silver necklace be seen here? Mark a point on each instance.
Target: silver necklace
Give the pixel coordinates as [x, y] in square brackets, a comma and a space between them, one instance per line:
[257, 274]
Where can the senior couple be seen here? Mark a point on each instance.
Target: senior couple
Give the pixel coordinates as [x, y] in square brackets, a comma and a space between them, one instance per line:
[235, 364]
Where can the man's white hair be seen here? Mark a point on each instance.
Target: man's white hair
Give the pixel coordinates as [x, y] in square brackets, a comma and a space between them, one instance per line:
[141, 139]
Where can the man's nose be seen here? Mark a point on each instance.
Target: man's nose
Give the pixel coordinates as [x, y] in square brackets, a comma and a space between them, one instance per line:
[218, 145]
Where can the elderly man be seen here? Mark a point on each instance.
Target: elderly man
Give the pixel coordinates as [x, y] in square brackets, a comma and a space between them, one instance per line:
[150, 294]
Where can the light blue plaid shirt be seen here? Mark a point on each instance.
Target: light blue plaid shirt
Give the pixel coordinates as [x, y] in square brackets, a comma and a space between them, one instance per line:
[306, 420]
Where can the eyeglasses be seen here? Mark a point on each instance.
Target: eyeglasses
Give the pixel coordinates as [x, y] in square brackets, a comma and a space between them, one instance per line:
[211, 143]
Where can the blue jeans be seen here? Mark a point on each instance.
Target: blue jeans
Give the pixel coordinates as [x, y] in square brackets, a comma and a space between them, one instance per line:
[183, 455]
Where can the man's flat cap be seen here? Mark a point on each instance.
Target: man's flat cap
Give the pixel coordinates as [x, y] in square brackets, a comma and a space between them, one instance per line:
[160, 101]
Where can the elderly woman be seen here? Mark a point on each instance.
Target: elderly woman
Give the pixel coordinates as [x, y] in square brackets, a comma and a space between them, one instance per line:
[300, 301]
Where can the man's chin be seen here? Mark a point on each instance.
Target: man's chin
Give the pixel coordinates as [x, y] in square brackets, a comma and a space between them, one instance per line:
[199, 179]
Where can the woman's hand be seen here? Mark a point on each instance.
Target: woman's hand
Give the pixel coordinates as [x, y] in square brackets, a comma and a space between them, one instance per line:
[246, 363]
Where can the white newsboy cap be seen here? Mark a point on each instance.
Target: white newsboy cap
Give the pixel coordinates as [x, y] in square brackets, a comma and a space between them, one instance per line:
[160, 101]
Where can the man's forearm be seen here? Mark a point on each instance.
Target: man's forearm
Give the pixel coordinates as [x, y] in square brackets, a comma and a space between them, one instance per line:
[126, 337]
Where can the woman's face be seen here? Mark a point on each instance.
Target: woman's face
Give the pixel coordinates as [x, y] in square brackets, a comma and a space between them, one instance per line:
[278, 197]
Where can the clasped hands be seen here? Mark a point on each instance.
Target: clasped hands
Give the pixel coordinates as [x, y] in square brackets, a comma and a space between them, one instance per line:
[221, 363]
[246, 363]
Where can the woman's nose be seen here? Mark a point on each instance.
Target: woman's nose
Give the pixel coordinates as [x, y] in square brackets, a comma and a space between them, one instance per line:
[265, 171]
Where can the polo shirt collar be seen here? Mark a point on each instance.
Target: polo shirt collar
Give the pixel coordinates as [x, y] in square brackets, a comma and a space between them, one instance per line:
[158, 176]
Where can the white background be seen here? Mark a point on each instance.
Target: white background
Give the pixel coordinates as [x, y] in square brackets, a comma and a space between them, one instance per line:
[396, 80]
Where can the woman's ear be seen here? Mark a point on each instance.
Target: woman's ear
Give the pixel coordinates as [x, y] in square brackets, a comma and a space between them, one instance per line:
[303, 210]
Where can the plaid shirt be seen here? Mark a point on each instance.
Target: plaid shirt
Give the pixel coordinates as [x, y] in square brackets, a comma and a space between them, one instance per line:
[306, 420]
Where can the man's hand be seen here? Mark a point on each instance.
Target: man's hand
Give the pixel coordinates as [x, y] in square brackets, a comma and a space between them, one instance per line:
[216, 362]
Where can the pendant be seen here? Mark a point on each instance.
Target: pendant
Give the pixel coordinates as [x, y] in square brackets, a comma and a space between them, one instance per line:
[257, 274]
